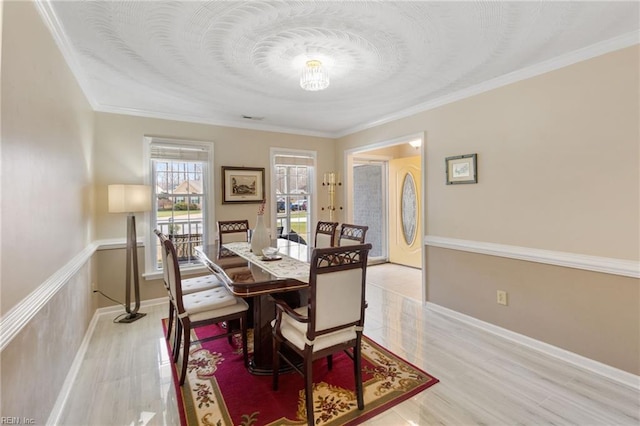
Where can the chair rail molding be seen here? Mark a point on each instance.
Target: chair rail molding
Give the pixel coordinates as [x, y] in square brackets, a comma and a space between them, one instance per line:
[607, 265]
[19, 316]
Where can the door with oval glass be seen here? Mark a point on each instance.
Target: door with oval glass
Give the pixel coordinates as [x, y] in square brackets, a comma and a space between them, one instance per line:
[405, 227]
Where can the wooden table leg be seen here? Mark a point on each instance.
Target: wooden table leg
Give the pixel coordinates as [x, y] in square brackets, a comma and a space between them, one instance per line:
[264, 311]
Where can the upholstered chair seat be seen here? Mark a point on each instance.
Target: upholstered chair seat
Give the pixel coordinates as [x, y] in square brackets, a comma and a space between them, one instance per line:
[198, 305]
[199, 309]
[205, 282]
[296, 333]
[189, 285]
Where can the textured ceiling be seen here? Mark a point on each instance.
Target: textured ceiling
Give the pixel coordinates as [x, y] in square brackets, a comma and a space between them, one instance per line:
[214, 62]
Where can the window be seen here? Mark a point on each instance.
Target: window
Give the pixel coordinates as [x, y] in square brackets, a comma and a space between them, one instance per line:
[293, 183]
[179, 175]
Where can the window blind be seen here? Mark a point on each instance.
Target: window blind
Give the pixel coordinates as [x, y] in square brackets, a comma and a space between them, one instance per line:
[293, 160]
[179, 151]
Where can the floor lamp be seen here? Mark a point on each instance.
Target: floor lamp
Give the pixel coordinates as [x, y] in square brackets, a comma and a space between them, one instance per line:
[130, 199]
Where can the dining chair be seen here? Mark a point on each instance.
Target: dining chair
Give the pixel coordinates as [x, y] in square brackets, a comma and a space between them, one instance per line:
[331, 322]
[352, 234]
[202, 308]
[189, 285]
[231, 231]
[325, 234]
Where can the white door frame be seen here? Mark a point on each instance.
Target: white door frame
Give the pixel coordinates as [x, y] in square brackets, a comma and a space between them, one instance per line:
[349, 154]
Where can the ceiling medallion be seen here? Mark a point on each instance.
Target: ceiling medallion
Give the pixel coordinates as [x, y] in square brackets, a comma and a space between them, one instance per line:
[314, 76]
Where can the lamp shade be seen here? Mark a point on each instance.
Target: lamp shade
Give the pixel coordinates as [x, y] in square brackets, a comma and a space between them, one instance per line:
[129, 198]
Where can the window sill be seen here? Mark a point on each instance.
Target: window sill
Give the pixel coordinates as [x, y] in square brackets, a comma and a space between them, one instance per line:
[192, 270]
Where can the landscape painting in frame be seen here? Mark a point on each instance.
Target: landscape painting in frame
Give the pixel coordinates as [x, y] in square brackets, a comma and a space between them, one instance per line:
[242, 185]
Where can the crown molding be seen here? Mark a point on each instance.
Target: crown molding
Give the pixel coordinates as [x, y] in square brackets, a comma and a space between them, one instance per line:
[65, 46]
[574, 57]
[62, 41]
[248, 125]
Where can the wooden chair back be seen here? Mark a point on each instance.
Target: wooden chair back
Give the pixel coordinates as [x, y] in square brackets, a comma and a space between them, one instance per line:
[230, 231]
[165, 272]
[325, 234]
[352, 234]
[172, 268]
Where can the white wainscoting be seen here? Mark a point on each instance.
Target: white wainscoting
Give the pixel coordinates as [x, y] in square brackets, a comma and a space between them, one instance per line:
[19, 315]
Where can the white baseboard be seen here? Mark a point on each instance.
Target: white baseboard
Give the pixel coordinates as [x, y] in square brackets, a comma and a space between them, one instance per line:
[23, 312]
[612, 373]
[119, 309]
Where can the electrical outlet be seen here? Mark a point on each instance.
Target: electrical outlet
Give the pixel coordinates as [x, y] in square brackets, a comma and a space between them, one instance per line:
[94, 287]
[502, 297]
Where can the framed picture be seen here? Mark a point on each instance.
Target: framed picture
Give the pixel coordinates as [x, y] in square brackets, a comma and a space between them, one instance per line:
[242, 185]
[462, 169]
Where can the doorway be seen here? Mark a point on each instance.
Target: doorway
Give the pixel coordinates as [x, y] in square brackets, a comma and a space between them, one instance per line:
[384, 191]
[370, 204]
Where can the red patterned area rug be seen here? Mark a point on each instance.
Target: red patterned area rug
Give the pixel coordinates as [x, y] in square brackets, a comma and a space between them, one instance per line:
[220, 391]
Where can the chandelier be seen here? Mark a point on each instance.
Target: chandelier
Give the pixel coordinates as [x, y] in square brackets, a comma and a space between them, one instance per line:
[314, 76]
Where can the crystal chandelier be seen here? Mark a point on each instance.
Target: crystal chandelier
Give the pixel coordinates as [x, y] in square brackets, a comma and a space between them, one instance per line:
[314, 76]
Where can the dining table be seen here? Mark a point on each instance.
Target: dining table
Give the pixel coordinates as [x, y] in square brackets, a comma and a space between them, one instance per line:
[256, 278]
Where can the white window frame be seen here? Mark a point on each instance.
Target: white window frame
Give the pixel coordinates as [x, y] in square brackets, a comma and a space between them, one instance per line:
[273, 153]
[208, 208]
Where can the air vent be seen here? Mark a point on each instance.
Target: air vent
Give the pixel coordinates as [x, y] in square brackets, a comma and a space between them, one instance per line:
[250, 117]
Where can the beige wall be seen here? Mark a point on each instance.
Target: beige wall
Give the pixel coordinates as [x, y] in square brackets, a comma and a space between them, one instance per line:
[558, 160]
[558, 167]
[589, 313]
[110, 272]
[119, 146]
[46, 145]
[47, 129]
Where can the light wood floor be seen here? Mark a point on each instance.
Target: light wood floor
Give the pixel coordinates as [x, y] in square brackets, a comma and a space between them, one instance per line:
[398, 279]
[125, 378]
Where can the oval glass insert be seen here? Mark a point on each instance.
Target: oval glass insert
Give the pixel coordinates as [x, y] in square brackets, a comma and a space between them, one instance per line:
[409, 209]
